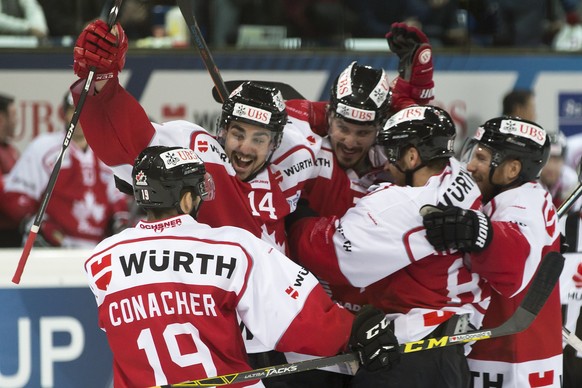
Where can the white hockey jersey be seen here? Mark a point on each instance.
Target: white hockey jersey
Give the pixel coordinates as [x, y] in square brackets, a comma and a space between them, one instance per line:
[381, 244]
[525, 228]
[168, 295]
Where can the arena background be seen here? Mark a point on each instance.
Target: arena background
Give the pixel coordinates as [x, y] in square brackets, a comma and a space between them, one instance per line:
[48, 331]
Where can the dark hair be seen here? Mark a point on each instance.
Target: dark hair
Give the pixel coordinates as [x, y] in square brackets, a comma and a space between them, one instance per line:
[514, 99]
[5, 100]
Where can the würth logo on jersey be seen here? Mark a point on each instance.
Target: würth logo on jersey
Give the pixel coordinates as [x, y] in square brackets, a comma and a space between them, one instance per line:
[100, 270]
[202, 145]
[278, 177]
[178, 261]
[297, 167]
[292, 292]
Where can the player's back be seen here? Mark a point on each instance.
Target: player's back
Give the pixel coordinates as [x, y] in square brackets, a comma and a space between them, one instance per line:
[167, 293]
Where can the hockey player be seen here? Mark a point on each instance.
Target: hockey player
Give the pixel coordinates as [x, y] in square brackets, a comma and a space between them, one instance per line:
[259, 162]
[261, 168]
[557, 177]
[168, 291]
[85, 206]
[506, 242]
[361, 100]
[10, 235]
[379, 243]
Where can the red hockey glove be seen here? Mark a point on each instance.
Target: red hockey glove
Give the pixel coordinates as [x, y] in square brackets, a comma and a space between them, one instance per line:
[372, 339]
[578, 276]
[450, 227]
[97, 46]
[415, 68]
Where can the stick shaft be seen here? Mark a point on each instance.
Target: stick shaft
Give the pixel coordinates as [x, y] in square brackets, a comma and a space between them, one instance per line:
[198, 38]
[34, 229]
[539, 291]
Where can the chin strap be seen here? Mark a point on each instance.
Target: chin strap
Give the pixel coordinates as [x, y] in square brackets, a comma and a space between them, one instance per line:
[409, 174]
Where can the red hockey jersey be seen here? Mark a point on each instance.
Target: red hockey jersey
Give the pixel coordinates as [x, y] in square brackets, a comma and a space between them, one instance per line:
[169, 292]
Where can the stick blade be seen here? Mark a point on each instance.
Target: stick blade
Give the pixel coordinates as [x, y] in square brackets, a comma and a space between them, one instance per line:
[288, 92]
[543, 282]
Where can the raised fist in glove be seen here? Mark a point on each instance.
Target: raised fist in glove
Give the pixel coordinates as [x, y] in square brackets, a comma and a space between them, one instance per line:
[415, 67]
[98, 46]
[372, 339]
[450, 227]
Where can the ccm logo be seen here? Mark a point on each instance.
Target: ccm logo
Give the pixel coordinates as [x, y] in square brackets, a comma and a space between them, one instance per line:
[374, 330]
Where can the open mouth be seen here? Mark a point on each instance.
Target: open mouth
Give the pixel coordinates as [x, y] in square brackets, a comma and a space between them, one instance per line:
[241, 162]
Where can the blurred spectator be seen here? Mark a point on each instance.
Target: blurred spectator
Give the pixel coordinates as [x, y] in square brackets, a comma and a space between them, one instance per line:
[69, 17]
[516, 20]
[322, 21]
[84, 206]
[439, 20]
[520, 103]
[559, 179]
[376, 16]
[226, 16]
[22, 17]
[9, 233]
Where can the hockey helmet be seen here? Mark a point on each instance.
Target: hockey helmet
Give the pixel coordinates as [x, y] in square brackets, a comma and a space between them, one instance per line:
[509, 138]
[256, 104]
[361, 95]
[427, 128]
[558, 144]
[160, 174]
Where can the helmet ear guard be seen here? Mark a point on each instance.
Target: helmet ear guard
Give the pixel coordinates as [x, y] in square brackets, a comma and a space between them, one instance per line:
[161, 174]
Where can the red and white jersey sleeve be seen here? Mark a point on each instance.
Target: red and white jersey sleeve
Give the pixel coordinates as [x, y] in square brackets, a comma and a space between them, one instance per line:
[525, 228]
[384, 222]
[168, 294]
[524, 223]
[81, 204]
[381, 244]
[118, 128]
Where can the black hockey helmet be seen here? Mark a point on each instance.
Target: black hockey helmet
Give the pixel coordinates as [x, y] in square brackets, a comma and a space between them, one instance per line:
[361, 95]
[558, 144]
[257, 105]
[427, 128]
[511, 138]
[160, 174]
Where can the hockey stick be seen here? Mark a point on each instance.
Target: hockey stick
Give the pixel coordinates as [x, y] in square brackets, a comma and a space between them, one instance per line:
[188, 14]
[569, 337]
[541, 287]
[56, 169]
[287, 91]
[221, 91]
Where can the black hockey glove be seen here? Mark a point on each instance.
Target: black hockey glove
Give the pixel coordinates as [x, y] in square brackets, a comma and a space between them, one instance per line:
[302, 211]
[450, 227]
[372, 339]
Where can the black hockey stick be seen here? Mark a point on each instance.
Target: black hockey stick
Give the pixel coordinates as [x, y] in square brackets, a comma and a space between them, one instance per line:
[287, 91]
[569, 337]
[188, 14]
[56, 169]
[539, 291]
[220, 91]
